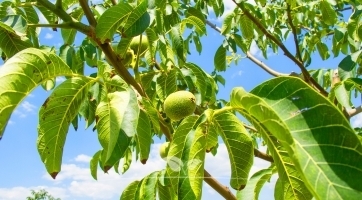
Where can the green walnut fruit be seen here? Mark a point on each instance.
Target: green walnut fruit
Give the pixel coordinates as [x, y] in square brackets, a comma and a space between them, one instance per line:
[164, 149]
[135, 43]
[179, 105]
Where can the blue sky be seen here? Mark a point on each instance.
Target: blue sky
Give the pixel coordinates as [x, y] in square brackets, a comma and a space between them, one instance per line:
[21, 168]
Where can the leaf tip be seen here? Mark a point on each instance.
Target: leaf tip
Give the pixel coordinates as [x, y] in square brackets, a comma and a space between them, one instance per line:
[241, 187]
[54, 174]
[106, 168]
[143, 161]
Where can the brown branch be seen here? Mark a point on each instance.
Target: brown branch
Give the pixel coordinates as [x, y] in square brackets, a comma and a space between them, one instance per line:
[263, 156]
[307, 76]
[216, 185]
[88, 13]
[290, 21]
[250, 56]
[65, 17]
[264, 66]
[354, 111]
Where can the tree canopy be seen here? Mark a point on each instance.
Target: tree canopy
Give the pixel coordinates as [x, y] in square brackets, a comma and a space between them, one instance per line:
[139, 51]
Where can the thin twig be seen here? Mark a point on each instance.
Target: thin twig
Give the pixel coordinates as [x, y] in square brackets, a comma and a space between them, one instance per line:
[65, 25]
[264, 66]
[250, 56]
[88, 13]
[294, 31]
[222, 190]
[65, 17]
[344, 9]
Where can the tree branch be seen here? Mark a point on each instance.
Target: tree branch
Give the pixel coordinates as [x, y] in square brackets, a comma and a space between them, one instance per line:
[290, 21]
[88, 13]
[65, 25]
[114, 2]
[222, 190]
[307, 76]
[250, 56]
[264, 66]
[58, 4]
[354, 111]
[65, 17]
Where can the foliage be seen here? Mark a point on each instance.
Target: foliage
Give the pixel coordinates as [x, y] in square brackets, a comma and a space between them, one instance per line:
[41, 195]
[302, 118]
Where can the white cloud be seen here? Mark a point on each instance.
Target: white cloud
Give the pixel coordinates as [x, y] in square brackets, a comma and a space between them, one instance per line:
[17, 193]
[75, 182]
[83, 158]
[48, 36]
[11, 122]
[28, 107]
[357, 120]
[238, 73]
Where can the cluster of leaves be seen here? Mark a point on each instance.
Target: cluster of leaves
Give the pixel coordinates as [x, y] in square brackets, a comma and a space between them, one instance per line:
[314, 150]
[41, 195]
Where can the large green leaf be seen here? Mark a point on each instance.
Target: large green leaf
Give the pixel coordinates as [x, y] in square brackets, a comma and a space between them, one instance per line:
[21, 74]
[325, 149]
[55, 116]
[147, 189]
[266, 121]
[185, 159]
[239, 145]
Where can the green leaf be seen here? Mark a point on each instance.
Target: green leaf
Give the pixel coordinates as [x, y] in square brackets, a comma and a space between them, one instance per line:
[170, 82]
[55, 116]
[111, 20]
[69, 34]
[116, 118]
[328, 14]
[185, 159]
[323, 50]
[10, 42]
[346, 68]
[220, 59]
[94, 164]
[137, 22]
[195, 21]
[127, 160]
[21, 74]
[152, 114]
[144, 136]
[247, 27]
[177, 42]
[239, 145]
[266, 121]
[227, 23]
[131, 191]
[325, 149]
[17, 23]
[147, 189]
[255, 183]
